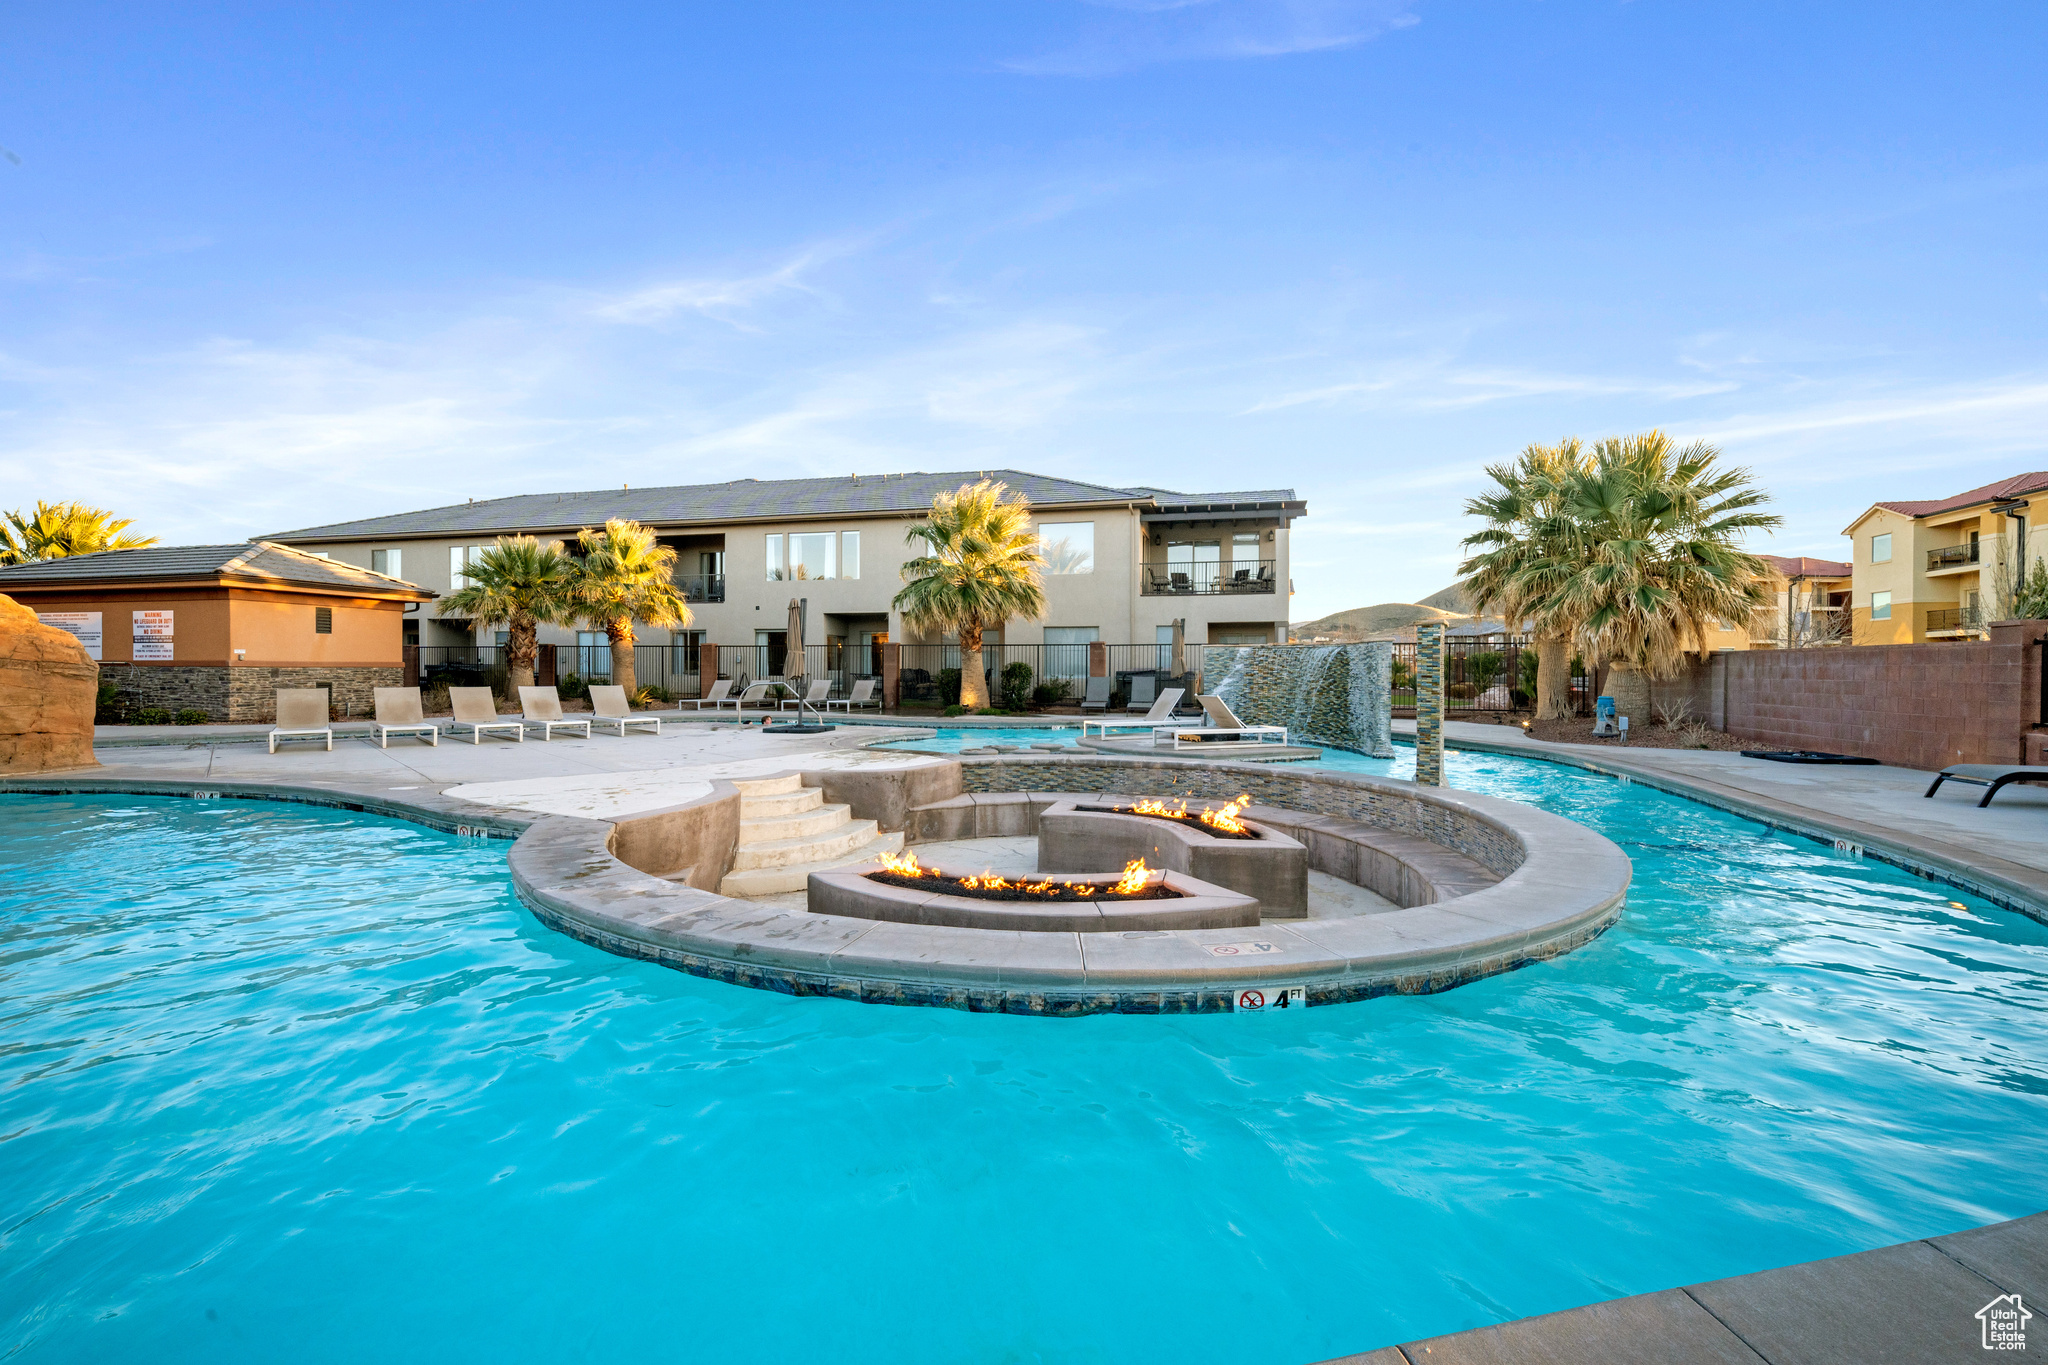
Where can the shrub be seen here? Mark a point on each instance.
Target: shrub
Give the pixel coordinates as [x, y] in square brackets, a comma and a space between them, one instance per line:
[1016, 686]
[152, 715]
[191, 715]
[956, 709]
[1525, 672]
[1461, 691]
[949, 689]
[652, 693]
[1051, 692]
[1481, 669]
[1404, 676]
[573, 688]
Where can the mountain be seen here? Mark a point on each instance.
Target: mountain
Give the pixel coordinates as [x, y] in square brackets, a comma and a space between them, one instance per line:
[1376, 620]
[1451, 599]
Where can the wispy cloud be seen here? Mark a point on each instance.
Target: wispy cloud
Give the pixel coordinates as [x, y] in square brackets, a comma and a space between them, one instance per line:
[1124, 34]
[725, 299]
[1423, 387]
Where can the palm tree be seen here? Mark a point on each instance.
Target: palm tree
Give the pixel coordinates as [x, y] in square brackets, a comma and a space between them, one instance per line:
[1660, 526]
[625, 576]
[60, 529]
[521, 584]
[981, 567]
[1531, 550]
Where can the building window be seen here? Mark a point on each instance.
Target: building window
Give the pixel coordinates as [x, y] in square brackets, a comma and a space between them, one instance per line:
[1881, 548]
[775, 574]
[593, 655]
[323, 620]
[811, 555]
[460, 557]
[390, 563]
[1881, 604]
[1068, 546]
[849, 554]
[1066, 650]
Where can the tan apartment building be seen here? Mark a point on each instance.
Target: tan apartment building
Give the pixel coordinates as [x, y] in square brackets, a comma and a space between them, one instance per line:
[1809, 605]
[1943, 569]
[1123, 563]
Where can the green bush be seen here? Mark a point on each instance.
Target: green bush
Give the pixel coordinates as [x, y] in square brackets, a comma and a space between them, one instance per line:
[1525, 671]
[573, 688]
[949, 688]
[152, 715]
[1016, 686]
[1481, 669]
[956, 709]
[652, 693]
[1461, 691]
[192, 715]
[1051, 692]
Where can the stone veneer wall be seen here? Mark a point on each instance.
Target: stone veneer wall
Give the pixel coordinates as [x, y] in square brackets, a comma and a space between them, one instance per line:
[1333, 694]
[245, 694]
[1462, 831]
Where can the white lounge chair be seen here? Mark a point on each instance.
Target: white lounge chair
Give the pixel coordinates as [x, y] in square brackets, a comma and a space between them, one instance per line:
[756, 694]
[302, 714]
[608, 706]
[1224, 728]
[711, 698]
[813, 697]
[1162, 710]
[398, 713]
[476, 710]
[542, 706]
[863, 696]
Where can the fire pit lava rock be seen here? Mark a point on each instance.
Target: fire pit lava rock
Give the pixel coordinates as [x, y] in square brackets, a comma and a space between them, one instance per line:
[1089, 836]
[1172, 900]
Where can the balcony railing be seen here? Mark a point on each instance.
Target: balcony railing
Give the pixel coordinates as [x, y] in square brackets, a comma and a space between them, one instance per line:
[702, 587]
[1955, 618]
[1950, 556]
[1178, 579]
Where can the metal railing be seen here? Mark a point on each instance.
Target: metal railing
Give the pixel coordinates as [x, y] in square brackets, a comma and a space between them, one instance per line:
[1955, 618]
[1492, 675]
[672, 668]
[1949, 556]
[701, 587]
[1188, 579]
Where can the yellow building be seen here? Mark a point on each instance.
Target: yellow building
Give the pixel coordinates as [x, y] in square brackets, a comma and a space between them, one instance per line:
[1941, 570]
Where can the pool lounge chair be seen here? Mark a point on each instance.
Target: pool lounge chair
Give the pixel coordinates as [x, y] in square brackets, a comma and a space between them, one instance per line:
[1143, 687]
[302, 714]
[1990, 776]
[755, 695]
[608, 706]
[711, 698]
[398, 713]
[1224, 728]
[542, 706]
[863, 696]
[476, 710]
[1098, 695]
[813, 697]
[1162, 710]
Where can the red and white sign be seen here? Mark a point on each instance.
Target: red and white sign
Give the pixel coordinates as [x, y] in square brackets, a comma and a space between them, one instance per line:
[155, 632]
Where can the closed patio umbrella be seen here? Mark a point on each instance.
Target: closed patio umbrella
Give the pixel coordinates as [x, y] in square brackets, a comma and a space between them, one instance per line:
[1180, 646]
[793, 661]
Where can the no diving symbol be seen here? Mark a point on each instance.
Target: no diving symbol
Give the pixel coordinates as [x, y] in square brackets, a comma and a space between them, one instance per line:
[1251, 1000]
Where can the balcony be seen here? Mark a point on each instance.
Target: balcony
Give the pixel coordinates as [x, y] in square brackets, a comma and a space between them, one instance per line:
[702, 587]
[1183, 579]
[1954, 619]
[1951, 557]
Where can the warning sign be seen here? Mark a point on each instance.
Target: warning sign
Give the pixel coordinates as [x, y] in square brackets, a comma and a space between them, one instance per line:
[1257, 999]
[84, 624]
[154, 634]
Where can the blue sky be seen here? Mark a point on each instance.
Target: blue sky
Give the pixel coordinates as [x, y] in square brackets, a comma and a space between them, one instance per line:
[268, 266]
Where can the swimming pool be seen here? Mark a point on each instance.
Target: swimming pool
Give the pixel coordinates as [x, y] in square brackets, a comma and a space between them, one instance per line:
[285, 1082]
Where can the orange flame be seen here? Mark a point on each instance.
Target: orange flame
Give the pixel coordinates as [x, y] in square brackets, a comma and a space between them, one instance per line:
[1226, 818]
[1152, 805]
[905, 865]
[1134, 880]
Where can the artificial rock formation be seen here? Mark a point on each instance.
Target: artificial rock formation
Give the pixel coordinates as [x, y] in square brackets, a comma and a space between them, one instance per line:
[48, 690]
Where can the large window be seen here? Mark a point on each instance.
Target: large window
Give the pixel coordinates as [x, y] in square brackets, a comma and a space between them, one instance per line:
[775, 572]
[849, 554]
[460, 557]
[388, 562]
[593, 655]
[1881, 548]
[811, 555]
[1066, 650]
[1069, 546]
[1880, 606]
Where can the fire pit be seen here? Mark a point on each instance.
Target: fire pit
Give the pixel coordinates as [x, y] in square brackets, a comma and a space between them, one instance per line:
[1216, 845]
[902, 890]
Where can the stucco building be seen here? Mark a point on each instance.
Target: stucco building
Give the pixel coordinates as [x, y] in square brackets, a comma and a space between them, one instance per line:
[1943, 569]
[218, 628]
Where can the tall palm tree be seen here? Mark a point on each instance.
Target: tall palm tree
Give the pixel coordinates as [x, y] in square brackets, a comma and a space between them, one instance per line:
[60, 529]
[522, 585]
[625, 577]
[1660, 526]
[981, 566]
[1531, 548]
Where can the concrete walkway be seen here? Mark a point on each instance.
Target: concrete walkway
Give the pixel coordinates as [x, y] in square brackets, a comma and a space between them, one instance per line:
[1899, 1305]
[1999, 852]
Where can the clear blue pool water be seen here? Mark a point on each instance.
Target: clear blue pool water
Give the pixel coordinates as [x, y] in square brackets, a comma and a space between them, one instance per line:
[284, 1083]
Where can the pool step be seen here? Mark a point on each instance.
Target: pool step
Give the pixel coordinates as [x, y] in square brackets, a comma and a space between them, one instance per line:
[777, 804]
[772, 881]
[836, 842]
[818, 819]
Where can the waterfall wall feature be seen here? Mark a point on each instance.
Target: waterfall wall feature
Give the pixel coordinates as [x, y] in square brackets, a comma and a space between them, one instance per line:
[1341, 695]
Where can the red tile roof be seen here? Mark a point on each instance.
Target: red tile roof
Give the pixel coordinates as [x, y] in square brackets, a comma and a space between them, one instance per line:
[1805, 567]
[2017, 486]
